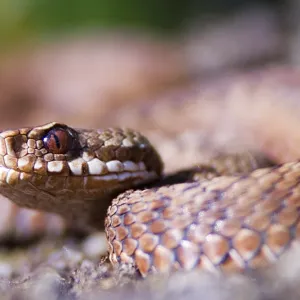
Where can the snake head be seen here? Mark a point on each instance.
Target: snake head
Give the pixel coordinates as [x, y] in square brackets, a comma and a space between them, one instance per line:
[58, 168]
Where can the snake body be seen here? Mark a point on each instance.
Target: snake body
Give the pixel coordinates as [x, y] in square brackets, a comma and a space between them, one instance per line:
[226, 223]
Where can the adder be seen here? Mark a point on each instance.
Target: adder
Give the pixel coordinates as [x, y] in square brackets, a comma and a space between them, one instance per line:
[226, 217]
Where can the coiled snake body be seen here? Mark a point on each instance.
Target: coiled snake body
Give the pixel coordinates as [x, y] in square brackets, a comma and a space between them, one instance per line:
[225, 223]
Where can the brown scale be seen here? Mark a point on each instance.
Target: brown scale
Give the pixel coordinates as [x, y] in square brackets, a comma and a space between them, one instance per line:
[228, 223]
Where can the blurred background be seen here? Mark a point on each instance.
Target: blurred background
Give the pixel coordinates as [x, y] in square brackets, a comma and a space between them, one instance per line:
[199, 78]
[77, 61]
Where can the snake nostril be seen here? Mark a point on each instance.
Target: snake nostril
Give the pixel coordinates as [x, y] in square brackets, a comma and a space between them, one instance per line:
[59, 140]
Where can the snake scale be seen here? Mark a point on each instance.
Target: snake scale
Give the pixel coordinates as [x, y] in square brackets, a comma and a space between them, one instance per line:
[227, 222]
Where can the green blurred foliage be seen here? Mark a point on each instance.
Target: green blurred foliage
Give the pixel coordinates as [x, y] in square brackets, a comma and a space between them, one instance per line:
[26, 19]
[137, 13]
[23, 20]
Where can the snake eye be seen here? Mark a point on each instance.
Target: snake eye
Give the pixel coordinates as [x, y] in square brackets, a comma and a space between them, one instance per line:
[59, 141]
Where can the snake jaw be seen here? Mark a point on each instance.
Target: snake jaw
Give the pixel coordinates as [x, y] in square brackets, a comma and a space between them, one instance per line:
[68, 180]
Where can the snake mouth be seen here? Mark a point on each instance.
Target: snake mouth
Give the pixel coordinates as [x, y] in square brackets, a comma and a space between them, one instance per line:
[63, 194]
[11, 176]
[112, 170]
[29, 189]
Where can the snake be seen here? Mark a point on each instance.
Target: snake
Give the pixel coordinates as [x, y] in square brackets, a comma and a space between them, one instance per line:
[113, 179]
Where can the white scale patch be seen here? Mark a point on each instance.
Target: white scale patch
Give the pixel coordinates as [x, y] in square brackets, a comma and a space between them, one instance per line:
[55, 166]
[76, 166]
[96, 167]
[114, 166]
[130, 166]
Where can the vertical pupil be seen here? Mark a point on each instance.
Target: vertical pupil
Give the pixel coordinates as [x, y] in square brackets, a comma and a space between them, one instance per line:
[57, 142]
